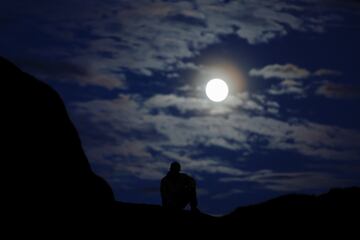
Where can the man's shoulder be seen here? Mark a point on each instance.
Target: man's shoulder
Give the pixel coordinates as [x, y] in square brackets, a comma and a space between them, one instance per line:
[164, 179]
[187, 177]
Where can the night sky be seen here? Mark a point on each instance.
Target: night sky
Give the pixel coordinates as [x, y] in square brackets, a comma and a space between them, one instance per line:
[133, 75]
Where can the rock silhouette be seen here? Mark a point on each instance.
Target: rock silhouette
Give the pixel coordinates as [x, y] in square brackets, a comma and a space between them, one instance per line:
[339, 204]
[45, 164]
[46, 171]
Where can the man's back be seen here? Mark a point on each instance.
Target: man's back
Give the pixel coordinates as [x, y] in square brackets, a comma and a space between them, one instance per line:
[178, 190]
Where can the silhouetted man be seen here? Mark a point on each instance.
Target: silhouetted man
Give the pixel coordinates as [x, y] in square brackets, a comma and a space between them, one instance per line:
[178, 189]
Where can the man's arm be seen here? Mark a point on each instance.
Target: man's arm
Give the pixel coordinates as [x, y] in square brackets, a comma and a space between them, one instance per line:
[193, 197]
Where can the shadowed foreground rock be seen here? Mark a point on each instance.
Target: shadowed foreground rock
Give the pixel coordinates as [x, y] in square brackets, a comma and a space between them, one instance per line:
[45, 165]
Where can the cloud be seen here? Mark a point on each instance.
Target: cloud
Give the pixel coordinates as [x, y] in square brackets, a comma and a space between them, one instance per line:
[289, 79]
[148, 36]
[338, 91]
[353, 4]
[187, 17]
[290, 181]
[197, 105]
[286, 71]
[289, 72]
[68, 71]
[326, 72]
[142, 138]
[167, 33]
[136, 138]
[227, 194]
[287, 86]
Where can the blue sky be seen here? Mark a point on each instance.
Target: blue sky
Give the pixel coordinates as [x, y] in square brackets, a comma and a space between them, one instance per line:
[133, 75]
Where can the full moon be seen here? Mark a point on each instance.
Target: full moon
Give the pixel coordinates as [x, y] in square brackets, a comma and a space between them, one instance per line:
[217, 90]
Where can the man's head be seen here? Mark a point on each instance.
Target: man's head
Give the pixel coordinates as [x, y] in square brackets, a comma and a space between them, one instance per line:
[175, 167]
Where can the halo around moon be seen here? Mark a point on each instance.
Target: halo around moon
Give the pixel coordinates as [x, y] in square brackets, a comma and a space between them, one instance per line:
[217, 90]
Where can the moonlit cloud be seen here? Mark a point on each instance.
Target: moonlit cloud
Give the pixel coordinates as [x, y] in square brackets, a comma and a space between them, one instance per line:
[158, 138]
[289, 72]
[287, 86]
[294, 80]
[149, 36]
[286, 71]
[197, 105]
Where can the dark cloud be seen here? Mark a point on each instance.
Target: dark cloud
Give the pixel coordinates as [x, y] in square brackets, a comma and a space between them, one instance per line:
[227, 194]
[189, 17]
[341, 3]
[326, 72]
[67, 71]
[336, 90]
[290, 181]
